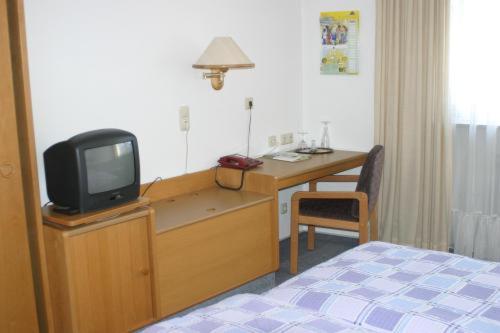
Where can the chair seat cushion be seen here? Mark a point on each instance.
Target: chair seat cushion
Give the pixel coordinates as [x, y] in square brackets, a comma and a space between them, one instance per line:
[341, 209]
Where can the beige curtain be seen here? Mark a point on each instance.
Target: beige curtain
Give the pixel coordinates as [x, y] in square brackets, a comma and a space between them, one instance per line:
[411, 121]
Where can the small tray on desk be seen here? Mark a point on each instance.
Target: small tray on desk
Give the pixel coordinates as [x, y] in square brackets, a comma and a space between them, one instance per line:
[314, 151]
[63, 220]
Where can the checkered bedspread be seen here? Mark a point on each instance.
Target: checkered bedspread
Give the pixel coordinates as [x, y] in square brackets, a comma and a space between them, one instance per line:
[253, 313]
[376, 287]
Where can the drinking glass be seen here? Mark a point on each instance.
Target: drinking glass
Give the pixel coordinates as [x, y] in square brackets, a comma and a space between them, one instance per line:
[302, 142]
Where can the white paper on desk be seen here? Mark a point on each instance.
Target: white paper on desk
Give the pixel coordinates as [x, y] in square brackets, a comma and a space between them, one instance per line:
[291, 157]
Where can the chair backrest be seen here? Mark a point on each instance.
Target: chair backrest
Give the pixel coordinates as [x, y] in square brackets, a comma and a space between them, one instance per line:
[370, 177]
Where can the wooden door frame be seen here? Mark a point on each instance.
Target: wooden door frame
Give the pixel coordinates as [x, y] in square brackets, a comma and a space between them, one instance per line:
[27, 150]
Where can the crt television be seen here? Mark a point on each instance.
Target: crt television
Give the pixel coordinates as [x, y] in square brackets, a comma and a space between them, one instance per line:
[93, 170]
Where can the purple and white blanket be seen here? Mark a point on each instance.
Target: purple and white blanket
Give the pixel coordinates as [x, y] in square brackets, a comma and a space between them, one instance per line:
[253, 313]
[375, 287]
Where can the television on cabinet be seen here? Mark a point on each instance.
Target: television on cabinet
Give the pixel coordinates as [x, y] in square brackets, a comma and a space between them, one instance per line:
[93, 170]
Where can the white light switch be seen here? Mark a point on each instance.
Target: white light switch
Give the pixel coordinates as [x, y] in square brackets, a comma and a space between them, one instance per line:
[184, 118]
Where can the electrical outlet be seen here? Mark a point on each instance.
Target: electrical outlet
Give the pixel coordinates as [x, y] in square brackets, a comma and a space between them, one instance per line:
[284, 208]
[272, 141]
[248, 101]
[286, 138]
[184, 118]
[283, 139]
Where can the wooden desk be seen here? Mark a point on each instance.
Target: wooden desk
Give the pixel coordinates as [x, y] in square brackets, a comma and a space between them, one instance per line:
[274, 175]
[210, 240]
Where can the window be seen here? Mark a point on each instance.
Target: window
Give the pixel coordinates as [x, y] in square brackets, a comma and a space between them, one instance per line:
[475, 61]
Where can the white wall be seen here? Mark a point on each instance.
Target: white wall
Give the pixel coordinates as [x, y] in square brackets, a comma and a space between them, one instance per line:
[127, 64]
[345, 100]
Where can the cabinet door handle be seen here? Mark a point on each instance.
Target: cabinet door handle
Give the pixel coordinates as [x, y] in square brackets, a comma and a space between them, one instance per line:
[6, 170]
[144, 271]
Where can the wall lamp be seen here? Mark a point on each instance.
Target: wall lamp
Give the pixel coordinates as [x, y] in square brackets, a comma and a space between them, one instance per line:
[221, 55]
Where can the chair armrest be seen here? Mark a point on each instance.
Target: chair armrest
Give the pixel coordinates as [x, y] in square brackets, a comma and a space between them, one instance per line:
[336, 178]
[360, 196]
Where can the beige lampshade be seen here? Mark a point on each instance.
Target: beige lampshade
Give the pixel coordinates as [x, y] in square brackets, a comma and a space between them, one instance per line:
[223, 53]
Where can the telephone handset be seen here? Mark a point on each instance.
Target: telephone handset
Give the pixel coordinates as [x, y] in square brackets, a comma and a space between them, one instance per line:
[238, 162]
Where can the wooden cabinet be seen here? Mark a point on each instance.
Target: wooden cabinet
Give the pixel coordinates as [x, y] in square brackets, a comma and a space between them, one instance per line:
[211, 241]
[102, 275]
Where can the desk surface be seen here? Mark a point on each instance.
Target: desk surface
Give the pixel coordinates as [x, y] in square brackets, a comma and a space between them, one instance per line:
[282, 171]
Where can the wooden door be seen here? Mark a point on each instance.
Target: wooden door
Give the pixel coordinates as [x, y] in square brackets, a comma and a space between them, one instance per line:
[110, 278]
[17, 305]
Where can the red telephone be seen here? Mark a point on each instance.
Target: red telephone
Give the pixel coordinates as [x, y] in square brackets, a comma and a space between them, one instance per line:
[238, 162]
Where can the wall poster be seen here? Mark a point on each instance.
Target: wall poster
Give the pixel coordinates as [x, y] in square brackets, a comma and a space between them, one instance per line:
[339, 42]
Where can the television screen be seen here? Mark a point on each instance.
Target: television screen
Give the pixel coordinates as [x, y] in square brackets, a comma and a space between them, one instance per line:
[109, 167]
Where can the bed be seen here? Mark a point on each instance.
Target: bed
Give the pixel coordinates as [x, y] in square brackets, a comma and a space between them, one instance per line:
[375, 287]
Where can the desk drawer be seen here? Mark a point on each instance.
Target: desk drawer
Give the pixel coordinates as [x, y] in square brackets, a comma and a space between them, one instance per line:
[203, 259]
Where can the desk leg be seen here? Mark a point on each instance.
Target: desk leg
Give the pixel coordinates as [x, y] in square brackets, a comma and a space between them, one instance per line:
[294, 239]
[275, 233]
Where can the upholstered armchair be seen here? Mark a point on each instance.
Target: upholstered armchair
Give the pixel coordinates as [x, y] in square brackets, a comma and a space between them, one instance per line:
[339, 210]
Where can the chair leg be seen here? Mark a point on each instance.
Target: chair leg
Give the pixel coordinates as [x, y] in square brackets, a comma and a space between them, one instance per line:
[363, 229]
[310, 237]
[374, 224]
[363, 235]
[294, 242]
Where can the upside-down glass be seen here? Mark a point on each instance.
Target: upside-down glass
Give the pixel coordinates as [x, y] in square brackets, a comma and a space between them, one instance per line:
[325, 138]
